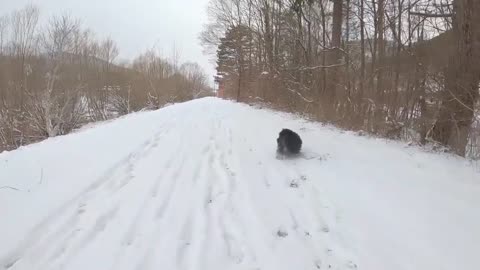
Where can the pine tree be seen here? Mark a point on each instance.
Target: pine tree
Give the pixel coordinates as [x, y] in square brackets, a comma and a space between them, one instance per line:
[232, 56]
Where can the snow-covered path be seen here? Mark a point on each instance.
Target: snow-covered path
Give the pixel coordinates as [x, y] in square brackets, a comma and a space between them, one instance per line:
[197, 186]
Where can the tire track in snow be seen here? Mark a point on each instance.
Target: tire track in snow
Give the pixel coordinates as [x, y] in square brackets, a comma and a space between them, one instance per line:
[61, 252]
[205, 207]
[195, 235]
[246, 215]
[146, 149]
[219, 205]
[35, 238]
[38, 245]
[126, 165]
[170, 187]
[101, 222]
[103, 219]
[232, 230]
[229, 227]
[169, 184]
[161, 178]
[172, 179]
[184, 243]
[194, 222]
[214, 195]
[42, 247]
[148, 205]
[152, 190]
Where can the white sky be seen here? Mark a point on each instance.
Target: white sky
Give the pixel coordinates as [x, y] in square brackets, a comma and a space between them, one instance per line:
[136, 24]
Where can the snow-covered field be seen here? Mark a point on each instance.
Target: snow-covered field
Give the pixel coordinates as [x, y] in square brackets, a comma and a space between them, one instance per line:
[197, 186]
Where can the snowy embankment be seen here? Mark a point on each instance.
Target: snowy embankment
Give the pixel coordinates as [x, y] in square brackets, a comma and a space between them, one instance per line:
[197, 186]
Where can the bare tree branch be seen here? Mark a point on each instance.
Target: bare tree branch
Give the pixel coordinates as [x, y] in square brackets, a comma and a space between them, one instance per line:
[8, 187]
[431, 15]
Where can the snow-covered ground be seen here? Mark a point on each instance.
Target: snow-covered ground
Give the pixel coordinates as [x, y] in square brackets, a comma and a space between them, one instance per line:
[197, 186]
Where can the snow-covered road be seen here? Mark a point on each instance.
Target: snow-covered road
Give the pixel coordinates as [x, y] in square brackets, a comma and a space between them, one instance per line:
[197, 186]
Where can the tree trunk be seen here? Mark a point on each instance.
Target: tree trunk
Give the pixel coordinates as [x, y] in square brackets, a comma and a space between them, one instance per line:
[323, 89]
[395, 102]
[360, 114]
[461, 80]
[380, 93]
[348, 102]
[268, 36]
[330, 97]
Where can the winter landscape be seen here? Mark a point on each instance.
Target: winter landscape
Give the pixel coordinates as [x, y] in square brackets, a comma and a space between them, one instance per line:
[149, 134]
[197, 186]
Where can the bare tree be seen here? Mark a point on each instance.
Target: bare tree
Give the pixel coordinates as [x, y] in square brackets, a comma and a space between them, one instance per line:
[57, 107]
[108, 52]
[384, 73]
[196, 77]
[24, 25]
[56, 76]
[4, 23]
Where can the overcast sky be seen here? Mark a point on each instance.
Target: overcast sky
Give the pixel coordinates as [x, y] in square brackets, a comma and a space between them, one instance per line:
[136, 24]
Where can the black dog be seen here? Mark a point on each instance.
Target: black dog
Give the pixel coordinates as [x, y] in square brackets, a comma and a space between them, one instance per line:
[288, 142]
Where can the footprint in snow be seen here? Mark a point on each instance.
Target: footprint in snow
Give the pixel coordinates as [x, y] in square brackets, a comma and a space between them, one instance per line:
[352, 265]
[282, 233]
[294, 184]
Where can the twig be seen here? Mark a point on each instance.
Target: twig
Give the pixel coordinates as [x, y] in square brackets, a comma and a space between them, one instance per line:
[318, 67]
[8, 187]
[431, 15]
[300, 95]
[459, 101]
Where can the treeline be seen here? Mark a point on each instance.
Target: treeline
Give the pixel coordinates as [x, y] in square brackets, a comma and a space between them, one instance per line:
[396, 68]
[57, 76]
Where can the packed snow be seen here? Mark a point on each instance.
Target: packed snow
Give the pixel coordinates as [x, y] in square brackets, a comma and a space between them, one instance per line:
[198, 186]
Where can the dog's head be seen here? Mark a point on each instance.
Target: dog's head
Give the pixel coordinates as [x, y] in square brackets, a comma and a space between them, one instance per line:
[285, 131]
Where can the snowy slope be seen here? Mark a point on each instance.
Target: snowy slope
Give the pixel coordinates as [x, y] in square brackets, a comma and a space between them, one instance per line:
[197, 186]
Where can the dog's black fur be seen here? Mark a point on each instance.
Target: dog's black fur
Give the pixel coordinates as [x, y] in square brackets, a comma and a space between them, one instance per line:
[288, 142]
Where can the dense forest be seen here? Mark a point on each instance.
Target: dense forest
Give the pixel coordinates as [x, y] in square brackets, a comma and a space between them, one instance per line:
[402, 69]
